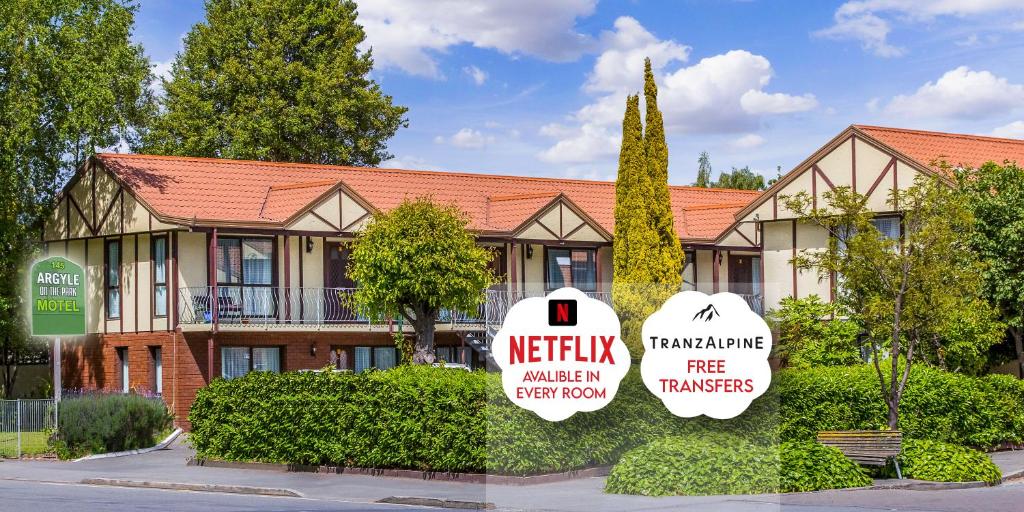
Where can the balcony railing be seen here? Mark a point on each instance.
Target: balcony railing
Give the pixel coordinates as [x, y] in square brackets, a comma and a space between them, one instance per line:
[255, 305]
[500, 301]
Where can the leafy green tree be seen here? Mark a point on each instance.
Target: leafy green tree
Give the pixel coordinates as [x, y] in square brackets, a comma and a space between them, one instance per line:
[416, 260]
[902, 292]
[703, 170]
[995, 194]
[70, 81]
[810, 335]
[668, 269]
[742, 179]
[279, 80]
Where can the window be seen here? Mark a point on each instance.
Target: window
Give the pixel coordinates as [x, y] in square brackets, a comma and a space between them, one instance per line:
[889, 226]
[112, 278]
[375, 357]
[245, 276]
[122, 359]
[156, 357]
[238, 361]
[572, 267]
[690, 271]
[159, 253]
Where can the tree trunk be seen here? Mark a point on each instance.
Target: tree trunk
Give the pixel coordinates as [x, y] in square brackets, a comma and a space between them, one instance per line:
[1018, 345]
[894, 413]
[423, 351]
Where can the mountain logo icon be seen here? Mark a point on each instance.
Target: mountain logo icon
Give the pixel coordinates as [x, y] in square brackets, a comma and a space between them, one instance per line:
[707, 313]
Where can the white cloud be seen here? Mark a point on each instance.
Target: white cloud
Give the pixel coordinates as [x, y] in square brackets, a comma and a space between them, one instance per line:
[466, 138]
[478, 75]
[407, 35]
[760, 102]
[722, 93]
[748, 141]
[409, 162]
[868, 21]
[1014, 130]
[161, 71]
[960, 93]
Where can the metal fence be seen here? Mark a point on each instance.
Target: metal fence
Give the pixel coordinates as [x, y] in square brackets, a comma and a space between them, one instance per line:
[25, 426]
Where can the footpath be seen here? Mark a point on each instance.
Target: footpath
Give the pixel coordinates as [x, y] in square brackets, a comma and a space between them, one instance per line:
[167, 469]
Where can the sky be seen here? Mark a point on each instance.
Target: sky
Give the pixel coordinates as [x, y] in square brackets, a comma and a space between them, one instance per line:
[538, 87]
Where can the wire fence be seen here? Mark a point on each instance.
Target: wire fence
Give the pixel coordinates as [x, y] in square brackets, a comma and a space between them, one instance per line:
[25, 426]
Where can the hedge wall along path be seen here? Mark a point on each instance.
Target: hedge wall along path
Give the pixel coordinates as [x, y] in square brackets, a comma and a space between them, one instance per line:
[408, 417]
[452, 420]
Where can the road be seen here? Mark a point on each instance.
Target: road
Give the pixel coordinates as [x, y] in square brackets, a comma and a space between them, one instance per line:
[37, 496]
[24, 496]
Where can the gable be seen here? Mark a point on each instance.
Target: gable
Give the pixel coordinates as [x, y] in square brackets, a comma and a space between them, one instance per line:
[94, 203]
[339, 211]
[561, 221]
[847, 161]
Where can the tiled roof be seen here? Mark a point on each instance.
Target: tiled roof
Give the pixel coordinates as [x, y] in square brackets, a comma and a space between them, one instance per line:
[699, 222]
[958, 150]
[249, 192]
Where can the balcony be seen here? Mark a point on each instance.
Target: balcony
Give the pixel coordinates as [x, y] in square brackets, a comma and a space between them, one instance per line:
[262, 307]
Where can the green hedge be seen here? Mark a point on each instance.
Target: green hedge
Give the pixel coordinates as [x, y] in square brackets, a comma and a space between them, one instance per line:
[452, 420]
[109, 423]
[712, 464]
[943, 462]
[696, 466]
[408, 417]
[809, 466]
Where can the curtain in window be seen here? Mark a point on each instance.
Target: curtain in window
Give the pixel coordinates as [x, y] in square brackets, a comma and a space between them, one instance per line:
[559, 268]
[362, 358]
[160, 276]
[113, 280]
[234, 362]
[266, 359]
[889, 226]
[584, 270]
[755, 262]
[384, 357]
[444, 354]
[256, 258]
[229, 266]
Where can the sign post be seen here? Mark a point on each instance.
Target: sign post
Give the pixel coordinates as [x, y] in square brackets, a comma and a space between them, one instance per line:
[58, 305]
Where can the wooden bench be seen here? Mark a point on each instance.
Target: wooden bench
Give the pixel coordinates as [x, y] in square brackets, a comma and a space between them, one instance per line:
[866, 447]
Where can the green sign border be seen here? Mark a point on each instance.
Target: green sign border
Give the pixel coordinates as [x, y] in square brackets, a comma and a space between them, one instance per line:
[64, 315]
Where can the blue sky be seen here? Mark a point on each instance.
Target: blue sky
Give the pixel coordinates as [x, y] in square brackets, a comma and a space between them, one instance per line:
[537, 87]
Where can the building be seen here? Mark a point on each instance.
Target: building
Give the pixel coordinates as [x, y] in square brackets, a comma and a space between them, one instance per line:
[201, 268]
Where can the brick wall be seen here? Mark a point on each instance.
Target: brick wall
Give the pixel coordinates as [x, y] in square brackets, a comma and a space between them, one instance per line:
[92, 362]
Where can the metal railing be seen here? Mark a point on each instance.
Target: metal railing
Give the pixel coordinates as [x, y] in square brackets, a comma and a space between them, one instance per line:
[265, 305]
[755, 301]
[26, 426]
[500, 301]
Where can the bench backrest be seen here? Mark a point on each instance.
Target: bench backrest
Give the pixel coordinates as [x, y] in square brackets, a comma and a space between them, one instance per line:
[869, 447]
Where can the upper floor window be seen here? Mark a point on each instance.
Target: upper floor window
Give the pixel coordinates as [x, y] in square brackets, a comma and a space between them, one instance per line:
[160, 276]
[112, 278]
[247, 261]
[572, 267]
[888, 226]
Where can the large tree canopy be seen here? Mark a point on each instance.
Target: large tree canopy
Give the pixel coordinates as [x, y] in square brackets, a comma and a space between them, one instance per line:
[416, 260]
[70, 82]
[280, 80]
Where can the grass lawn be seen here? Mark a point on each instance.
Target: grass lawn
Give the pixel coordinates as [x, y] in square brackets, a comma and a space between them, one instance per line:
[32, 443]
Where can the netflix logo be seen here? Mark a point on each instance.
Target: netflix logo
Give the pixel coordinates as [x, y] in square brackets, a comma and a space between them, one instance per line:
[562, 312]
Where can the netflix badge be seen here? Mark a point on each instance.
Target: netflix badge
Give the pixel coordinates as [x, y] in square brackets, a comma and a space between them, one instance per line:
[561, 354]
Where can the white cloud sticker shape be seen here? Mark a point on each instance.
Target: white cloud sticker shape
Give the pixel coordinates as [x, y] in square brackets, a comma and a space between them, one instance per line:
[559, 370]
[706, 355]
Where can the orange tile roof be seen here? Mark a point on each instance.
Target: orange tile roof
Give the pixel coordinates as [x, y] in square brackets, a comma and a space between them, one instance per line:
[701, 222]
[953, 148]
[251, 192]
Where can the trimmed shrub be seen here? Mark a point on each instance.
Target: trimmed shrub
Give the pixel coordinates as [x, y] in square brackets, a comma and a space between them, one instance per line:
[807, 339]
[944, 462]
[810, 466]
[413, 417]
[108, 423]
[696, 466]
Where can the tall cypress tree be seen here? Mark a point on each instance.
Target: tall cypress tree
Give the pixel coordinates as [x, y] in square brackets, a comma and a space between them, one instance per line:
[668, 268]
[636, 244]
